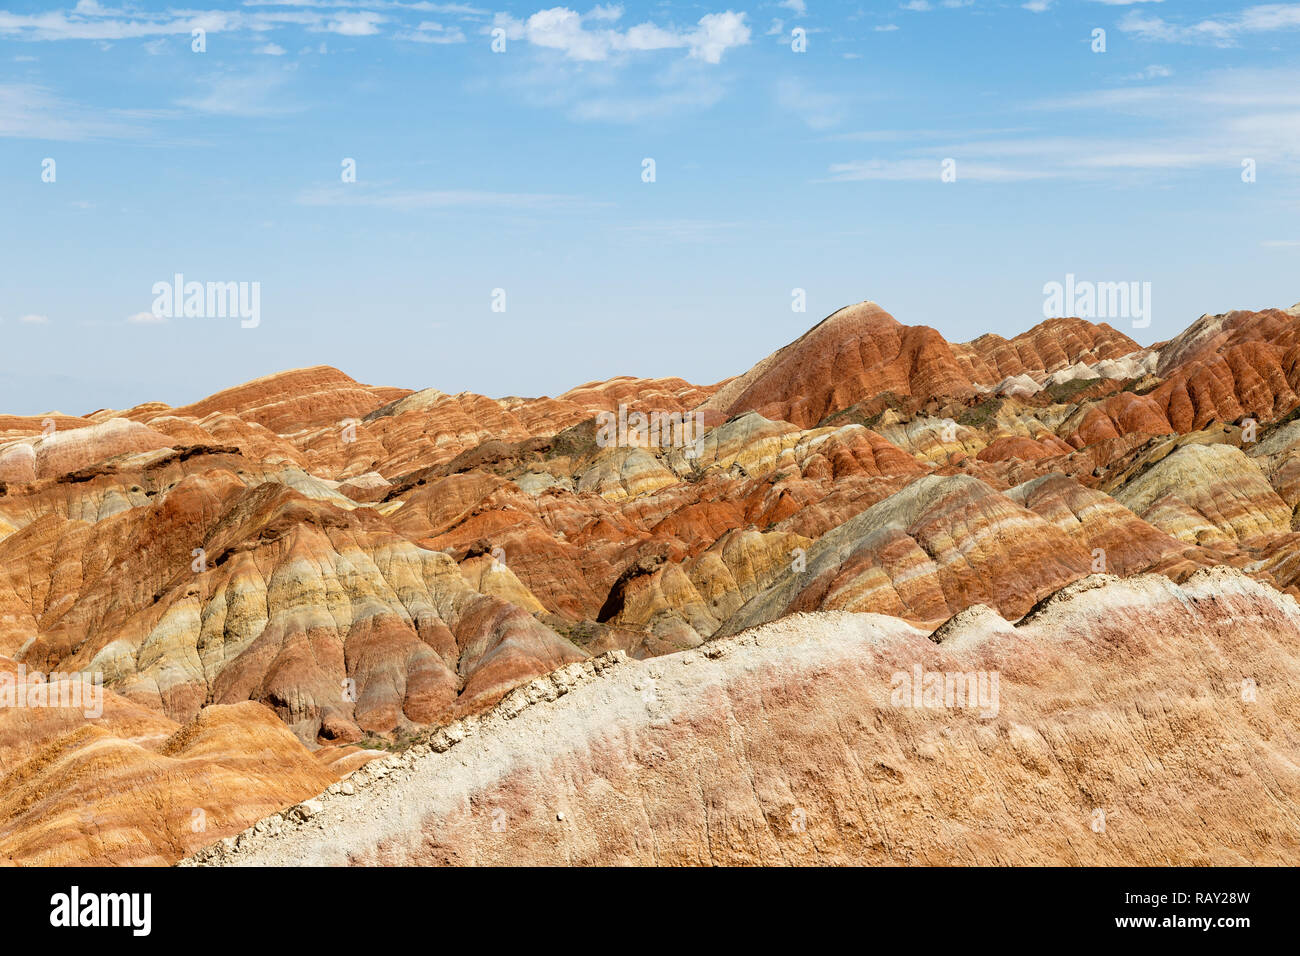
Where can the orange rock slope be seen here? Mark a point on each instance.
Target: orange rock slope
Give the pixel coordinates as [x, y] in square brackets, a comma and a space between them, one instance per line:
[360, 563]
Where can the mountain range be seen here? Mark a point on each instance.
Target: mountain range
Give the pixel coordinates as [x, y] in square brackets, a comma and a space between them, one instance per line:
[296, 589]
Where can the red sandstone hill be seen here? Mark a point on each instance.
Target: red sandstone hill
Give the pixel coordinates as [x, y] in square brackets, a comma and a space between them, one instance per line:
[862, 351]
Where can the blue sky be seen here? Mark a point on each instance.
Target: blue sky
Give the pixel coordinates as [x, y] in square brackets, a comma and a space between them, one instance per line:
[522, 170]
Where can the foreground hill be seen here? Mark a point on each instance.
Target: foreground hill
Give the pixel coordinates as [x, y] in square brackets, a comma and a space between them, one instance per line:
[1118, 734]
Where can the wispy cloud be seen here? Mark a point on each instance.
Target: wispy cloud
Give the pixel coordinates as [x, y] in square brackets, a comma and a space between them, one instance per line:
[384, 196]
[1221, 31]
[431, 32]
[917, 169]
[651, 104]
[601, 91]
[1153, 72]
[88, 20]
[241, 94]
[1238, 88]
[462, 9]
[361, 24]
[30, 111]
[817, 109]
[681, 230]
[1211, 124]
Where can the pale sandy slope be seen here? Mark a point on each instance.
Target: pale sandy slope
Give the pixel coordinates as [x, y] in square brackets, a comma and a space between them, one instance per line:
[781, 746]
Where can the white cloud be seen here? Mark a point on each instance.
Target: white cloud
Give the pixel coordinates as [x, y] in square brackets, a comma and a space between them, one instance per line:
[798, 7]
[514, 29]
[145, 318]
[568, 31]
[93, 23]
[561, 29]
[35, 319]
[887, 28]
[1037, 6]
[271, 49]
[363, 24]
[597, 92]
[718, 32]
[591, 36]
[89, 20]
[917, 6]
